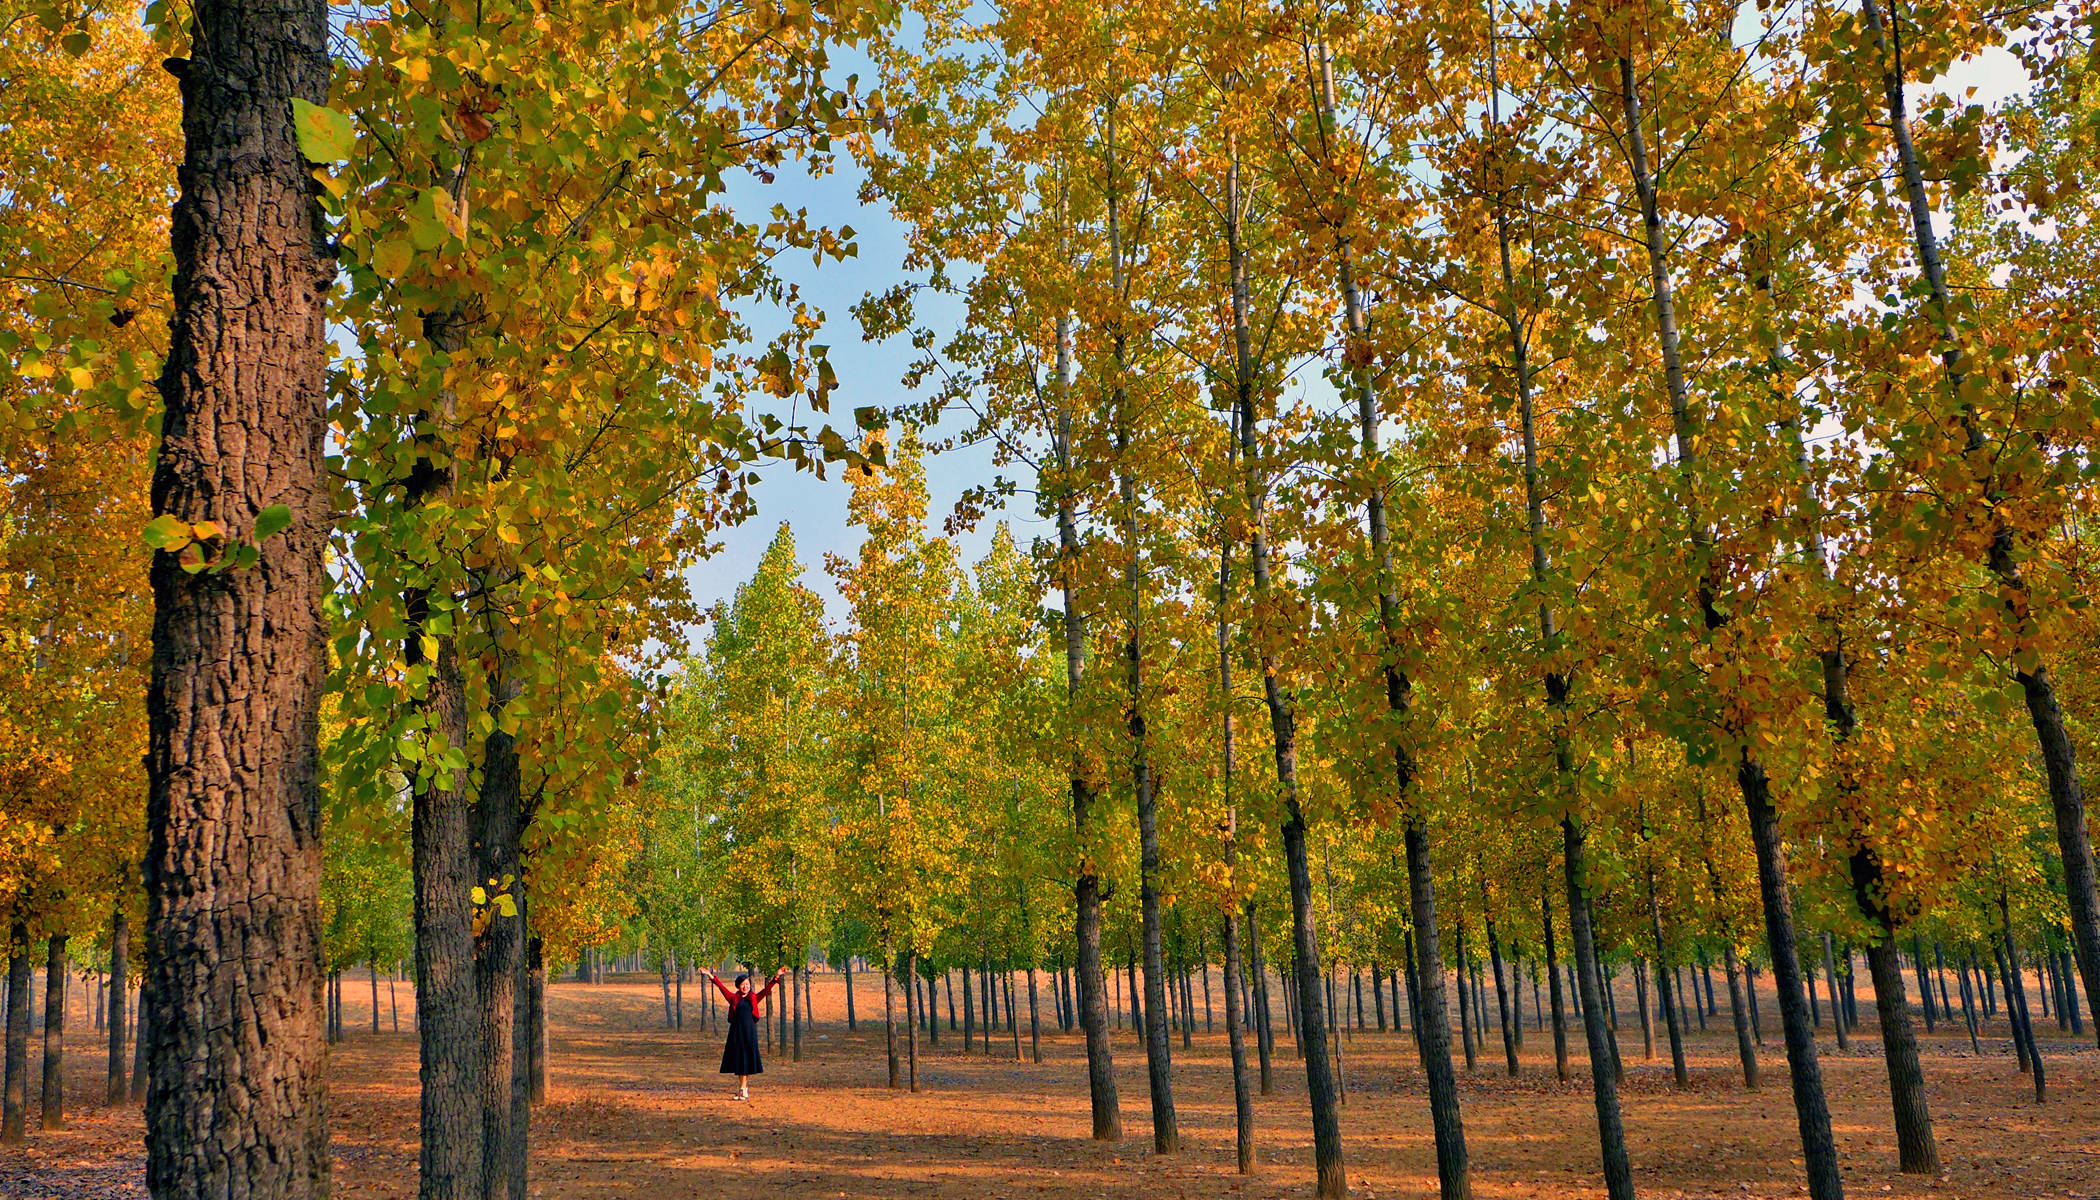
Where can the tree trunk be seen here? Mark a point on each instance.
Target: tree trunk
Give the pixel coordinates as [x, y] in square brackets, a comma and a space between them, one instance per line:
[119, 992]
[1604, 1081]
[852, 1019]
[1432, 1025]
[1640, 1000]
[1837, 1004]
[1235, 1038]
[1465, 1000]
[1805, 1074]
[1516, 1004]
[1453, 1177]
[1035, 1021]
[1560, 1020]
[1509, 1026]
[1917, 1153]
[1745, 1049]
[1264, 1019]
[499, 823]
[889, 1012]
[1086, 887]
[1968, 1009]
[911, 1024]
[2016, 1004]
[536, 976]
[1665, 987]
[54, 1097]
[14, 1111]
[969, 1023]
[233, 869]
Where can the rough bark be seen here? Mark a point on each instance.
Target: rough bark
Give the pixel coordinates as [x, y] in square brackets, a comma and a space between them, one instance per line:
[1805, 1074]
[236, 1100]
[499, 951]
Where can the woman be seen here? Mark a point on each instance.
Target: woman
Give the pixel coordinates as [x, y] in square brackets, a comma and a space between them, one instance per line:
[740, 1056]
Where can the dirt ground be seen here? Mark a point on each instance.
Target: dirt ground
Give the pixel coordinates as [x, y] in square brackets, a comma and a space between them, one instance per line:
[635, 1110]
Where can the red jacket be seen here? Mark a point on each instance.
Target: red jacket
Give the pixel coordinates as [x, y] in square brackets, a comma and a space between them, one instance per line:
[757, 997]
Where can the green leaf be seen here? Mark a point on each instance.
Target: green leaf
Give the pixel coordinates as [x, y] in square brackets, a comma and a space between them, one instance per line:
[325, 135]
[392, 256]
[272, 521]
[76, 43]
[166, 532]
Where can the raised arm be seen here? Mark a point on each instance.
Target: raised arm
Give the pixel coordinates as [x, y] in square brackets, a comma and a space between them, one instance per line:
[766, 990]
[721, 987]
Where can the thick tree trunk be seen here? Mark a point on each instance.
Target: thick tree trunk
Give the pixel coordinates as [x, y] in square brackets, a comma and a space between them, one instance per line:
[1805, 1074]
[499, 952]
[14, 1110]
[233, 869]
[119, 992]
[1811, 1110]
[1917, 1153]
[1454, 1179]
[1432, 1024]
[54, 1092]
[1604, 1075]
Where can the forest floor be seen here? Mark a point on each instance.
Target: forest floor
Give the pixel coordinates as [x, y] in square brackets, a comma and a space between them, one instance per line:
[635, 1110]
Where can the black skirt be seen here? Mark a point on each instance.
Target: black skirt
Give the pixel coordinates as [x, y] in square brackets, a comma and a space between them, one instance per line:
[740, 1056]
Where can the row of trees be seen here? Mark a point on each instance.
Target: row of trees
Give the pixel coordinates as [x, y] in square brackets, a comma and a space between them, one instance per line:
[1605, 454]
[1614, 438]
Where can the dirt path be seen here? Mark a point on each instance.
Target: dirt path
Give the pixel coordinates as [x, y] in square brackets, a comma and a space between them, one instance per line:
[638, 1111]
